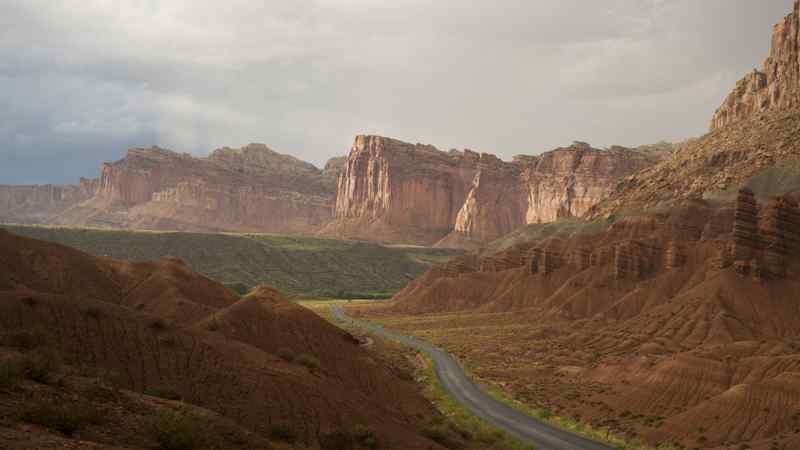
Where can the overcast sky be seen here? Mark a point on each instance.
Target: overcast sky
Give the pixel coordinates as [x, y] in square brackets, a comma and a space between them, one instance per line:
[81, 81]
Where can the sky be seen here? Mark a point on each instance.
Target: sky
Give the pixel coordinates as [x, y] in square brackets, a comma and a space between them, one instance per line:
[81, 81]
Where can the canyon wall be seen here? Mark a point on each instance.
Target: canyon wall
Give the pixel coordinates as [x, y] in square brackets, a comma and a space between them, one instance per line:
[385, 190]
[247, 189]
[776, 86]
[37, 203]
[403, 193]
[398, 192]
[753, 140]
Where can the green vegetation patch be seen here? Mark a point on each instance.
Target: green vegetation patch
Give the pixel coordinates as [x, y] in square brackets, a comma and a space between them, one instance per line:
[300, 266]
[770, 182]
[176, 431]
[66, 418]
[539, 231]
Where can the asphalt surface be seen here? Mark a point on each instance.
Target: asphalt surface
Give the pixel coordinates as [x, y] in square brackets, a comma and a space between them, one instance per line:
[456, 382]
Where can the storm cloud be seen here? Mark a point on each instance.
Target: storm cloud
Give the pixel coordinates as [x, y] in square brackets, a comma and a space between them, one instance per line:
[82, 81]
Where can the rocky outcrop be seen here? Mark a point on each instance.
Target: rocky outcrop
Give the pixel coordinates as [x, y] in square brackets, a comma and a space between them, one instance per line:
[745, 226]
[249, 189]
[567, 182]
[38, 203]
[754, 136]
[496, 203]
[776, 87]
[399, 192]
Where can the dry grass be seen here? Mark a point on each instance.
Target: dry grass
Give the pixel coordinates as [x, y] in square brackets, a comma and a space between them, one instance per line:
[517, 362]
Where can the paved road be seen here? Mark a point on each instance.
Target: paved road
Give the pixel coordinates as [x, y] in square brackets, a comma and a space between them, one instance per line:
[458, 385]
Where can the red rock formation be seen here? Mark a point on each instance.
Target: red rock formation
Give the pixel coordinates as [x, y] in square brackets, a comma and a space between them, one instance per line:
[776, 87]
[745, 227]
[675, 256]
[38, 204]
[780, 232]
[394, 191]
[247, 189]
[567, 182]
[399, 192]
[496, 204]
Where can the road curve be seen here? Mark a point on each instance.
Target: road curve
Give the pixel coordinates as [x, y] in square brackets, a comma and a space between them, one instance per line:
[499, 414]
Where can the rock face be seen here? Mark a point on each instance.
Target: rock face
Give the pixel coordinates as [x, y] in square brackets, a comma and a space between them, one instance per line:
[35, 204]
[385, 190]
[399, 192]
[567, 182]
[753, 140]
[496, 203]
[247, 189]
[774, 88]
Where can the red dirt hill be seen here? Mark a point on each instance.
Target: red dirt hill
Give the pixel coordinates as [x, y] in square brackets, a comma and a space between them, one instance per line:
[691, 314]
[158, 326]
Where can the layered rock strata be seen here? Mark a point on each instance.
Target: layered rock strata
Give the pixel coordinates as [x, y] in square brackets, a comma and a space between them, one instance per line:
[247, 189]
[399, 192]
[776, 86]
[38, 203]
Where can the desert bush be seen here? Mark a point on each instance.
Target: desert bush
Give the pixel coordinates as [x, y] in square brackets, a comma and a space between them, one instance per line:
[336, 440]
[165, 392]
[308, 361]
[42, 365]
[281, 432]
[365, 436]
[64, 418]
[435, 433]
[26, 340]
[213, 325]
[176, 431]
[285, 354]
[93, 312]
[157, 325]
[11, 370]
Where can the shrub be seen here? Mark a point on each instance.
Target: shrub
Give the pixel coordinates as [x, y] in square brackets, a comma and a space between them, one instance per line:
[213, 325]
[285, 354]
[281, 432]
[435, 433]
[64, 418]
[365, 436]
[93, 312]
[157, 325]
[308, 361]
[175, 431]
[336, 440]
[27, 339]
[42, 365]
[165, 392]
[10, 372]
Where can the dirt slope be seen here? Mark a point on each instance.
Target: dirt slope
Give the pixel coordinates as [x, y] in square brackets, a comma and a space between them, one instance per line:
[688, 315]
[322, 388]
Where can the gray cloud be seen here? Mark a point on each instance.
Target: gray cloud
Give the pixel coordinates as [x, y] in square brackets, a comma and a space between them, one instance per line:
[80, 81]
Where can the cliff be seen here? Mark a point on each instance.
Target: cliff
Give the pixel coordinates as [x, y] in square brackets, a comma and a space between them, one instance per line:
[398, 192]
[773, 88]
[403, 193]
[753, 140]
[37, 203]
[247, 189]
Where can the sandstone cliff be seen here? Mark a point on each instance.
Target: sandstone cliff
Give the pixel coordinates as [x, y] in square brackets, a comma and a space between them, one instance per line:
[247, 189]
[38, 203]
[398, 192]
[753, 140]
[774, 88]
